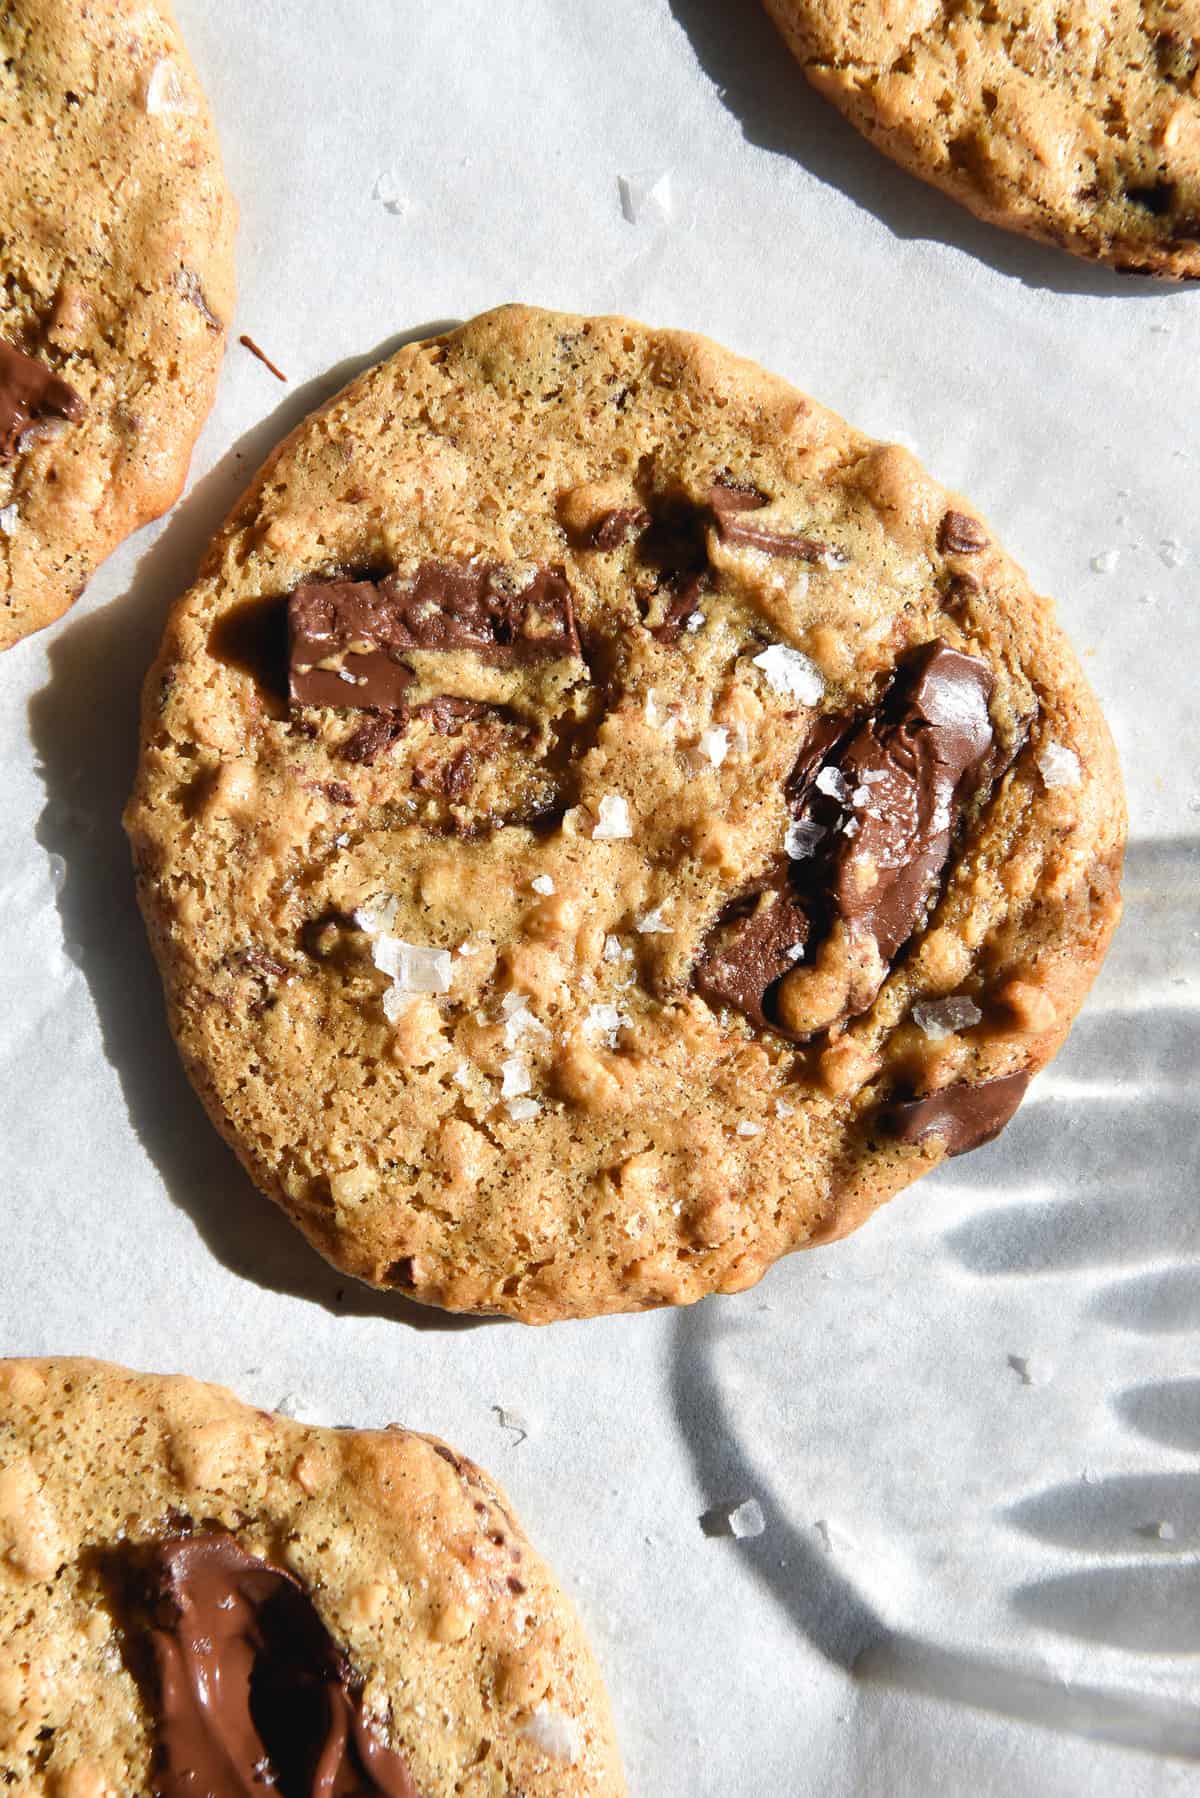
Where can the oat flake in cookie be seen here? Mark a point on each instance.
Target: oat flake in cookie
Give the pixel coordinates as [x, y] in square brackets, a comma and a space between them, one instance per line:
[603, 823]
[197, 1598]
[116, 285]
[1073, 123]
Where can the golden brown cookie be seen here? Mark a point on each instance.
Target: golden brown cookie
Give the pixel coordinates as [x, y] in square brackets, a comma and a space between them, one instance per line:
[197, 1597]
[116, 287]
[603, 823]
[1076, 124]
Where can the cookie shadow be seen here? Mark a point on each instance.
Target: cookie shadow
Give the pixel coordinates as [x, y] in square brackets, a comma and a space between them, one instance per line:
[1113, 1127]
[763, 86]
[84, 726]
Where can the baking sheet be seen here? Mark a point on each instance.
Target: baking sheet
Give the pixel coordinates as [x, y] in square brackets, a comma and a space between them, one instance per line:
[973, 1429]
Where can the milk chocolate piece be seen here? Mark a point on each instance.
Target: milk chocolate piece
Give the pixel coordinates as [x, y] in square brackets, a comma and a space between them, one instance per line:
[749, 952]
[254, 1695]
[959, 535]
[348, 639]
[965, 1116]
[614, 528]
[729, 506]
[29, 390]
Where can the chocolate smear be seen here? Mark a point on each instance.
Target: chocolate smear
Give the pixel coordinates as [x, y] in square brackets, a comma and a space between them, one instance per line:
[964, 1116]
[29, 391]
[254, 1695]
[348, 639]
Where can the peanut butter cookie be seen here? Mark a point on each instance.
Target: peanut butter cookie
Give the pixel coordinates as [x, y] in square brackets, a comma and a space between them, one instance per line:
[1076, 124]
[200, 1598]
[603, 823]
[116, 285]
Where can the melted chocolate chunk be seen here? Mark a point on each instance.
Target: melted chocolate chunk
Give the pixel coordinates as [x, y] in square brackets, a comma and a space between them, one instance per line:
[253, 1693]
[749, 953]
[917, 762]
[373, 737]
[959, 535]
[882, 823]
[28, 391]
[964, 1115]
[348, 639]
[729, 504]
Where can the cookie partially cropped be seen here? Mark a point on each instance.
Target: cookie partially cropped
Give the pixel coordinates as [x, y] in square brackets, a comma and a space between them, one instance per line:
[603, 823]
[116, 287]
[201, 1598]
[1076, 124]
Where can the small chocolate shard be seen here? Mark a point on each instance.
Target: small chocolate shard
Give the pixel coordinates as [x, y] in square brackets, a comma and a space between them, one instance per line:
[253, 1693]
[447, 715]
[348, 639]
[960, 535]
[30, 391]
[963, 1115]
[682, 601]
[620, 526]
[729, 504]
[450, 776]
[750, 951]
[373, 737]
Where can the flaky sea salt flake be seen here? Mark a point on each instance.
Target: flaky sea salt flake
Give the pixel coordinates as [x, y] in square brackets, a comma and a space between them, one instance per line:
[389, 191]
[783, 1109]
[8, 519]
[555, 1734]
[1106, 561]
[542, 883]
[801, 839]
[514, 1077]
[652, 923]
[604, 1021]
[940, 1018]
[646, 196]
[523, 1111]
[747, 1519]
[612, 823]
[714, 744]
[1172, 552]
[164, 90]
[1058, 766]
[747, 1128]
[790, 672]
[377, 915]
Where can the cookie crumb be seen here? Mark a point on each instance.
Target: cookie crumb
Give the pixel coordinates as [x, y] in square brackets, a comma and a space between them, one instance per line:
[247, 342]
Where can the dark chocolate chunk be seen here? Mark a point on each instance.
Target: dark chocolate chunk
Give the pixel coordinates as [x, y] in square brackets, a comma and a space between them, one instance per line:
[749, 952]
[28, 391]
[348, 639]
[965, 1116]
[915, 765]
[682, 601]
[883, 823]
[446, 715]
[615, 528]
[253, 1693]
[729, 506]
[959, 535]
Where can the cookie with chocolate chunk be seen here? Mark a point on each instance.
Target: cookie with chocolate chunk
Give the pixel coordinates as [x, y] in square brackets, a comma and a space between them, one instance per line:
[1073, 124]
[603, 823]
[116, 287]
[198, 1597]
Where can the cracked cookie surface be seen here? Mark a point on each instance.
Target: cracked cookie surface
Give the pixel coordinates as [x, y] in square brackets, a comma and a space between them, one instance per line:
[603, 823]
[1076, 124]
[116, 287]
[200, 1596]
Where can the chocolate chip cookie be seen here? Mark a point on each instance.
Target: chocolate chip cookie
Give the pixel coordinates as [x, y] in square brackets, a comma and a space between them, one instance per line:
[116, 286]
[603, 823]
[1078, 125]
[200, 1598]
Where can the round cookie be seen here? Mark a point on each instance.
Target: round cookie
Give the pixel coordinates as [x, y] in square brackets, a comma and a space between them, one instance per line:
[194, 1594]
[1078, 125]
[117, 283]
[603, 823]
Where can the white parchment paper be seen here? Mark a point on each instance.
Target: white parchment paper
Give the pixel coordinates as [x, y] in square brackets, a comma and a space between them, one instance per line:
[973, 1430]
